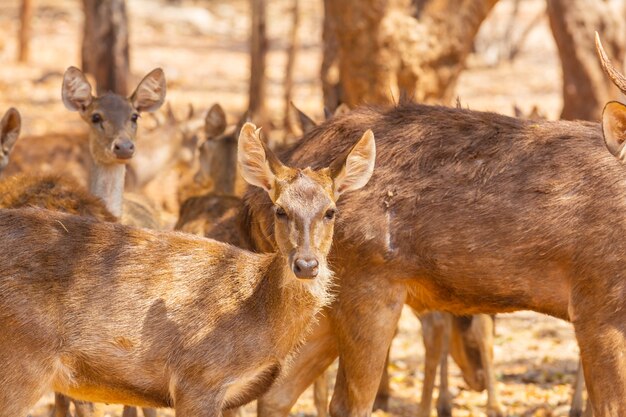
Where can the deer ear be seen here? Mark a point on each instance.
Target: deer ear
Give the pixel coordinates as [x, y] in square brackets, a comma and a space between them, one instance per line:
[257, 163]
[614, 128]
[215, 121]
[305, 123]
[150, 93]
[10, 128]
[354, 169]
[76, 90]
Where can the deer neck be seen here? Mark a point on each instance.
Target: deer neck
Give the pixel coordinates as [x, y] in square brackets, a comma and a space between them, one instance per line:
[295, 301]
[107, 182]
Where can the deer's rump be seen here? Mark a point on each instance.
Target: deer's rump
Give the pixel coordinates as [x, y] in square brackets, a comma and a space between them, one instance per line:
[478, 212]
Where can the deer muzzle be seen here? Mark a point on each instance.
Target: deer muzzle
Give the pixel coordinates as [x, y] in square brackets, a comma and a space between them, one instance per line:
[123, 148]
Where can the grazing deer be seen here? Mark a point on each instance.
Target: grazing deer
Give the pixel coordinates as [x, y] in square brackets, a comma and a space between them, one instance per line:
[10, 126]
[489, 214]
[190, 323]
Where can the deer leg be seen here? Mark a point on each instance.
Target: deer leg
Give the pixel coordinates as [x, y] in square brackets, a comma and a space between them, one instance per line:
[194, 396]
[382, 396]
[23, 383]
[87, 409]
[61, 406]
[364, 332]
[444, 401]
[149, 412]
[320, 394]
[311, 360]
[602, 342]
[434, 336]
[130, 411]
[485, 324]
[577, 398]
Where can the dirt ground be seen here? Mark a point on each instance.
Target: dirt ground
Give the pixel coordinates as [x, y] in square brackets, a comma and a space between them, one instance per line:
[202, 46]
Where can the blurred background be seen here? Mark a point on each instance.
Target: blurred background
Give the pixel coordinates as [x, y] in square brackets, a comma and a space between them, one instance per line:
[528, 58]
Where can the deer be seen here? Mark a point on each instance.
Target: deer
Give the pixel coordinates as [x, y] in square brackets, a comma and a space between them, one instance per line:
[471, 339]
[112, 121]
[215, 198]
[489, 214]
[217, 215]
[192, 323]
[10, 126]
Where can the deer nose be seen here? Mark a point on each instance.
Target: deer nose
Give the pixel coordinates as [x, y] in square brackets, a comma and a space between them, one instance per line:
[123, 148]
[306, 267]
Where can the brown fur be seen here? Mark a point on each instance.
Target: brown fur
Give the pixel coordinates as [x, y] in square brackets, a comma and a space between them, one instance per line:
[471, 212]
[52, 192]
[477, 365]
[171, 301]
[188, 294]
[61, 153]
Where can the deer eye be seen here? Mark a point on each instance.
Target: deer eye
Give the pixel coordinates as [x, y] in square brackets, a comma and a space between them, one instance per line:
[330, 214]
[134, 118]
[280, 213]
[96, 118]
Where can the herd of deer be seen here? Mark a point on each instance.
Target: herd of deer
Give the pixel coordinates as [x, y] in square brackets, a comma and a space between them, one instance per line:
[448, 209]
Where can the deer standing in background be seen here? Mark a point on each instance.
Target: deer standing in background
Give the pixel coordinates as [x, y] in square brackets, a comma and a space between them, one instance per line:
[112, 121]
[212, 213]
[190, 323]
[489, 214]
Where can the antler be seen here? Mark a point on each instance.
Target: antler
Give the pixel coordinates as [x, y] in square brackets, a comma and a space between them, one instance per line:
[618, 79]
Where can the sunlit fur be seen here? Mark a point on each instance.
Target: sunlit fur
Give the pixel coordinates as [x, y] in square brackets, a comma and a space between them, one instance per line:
[159, 319]
[471, 212]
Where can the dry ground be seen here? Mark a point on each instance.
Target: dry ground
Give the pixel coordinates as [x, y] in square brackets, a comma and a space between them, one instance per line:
[202, 48]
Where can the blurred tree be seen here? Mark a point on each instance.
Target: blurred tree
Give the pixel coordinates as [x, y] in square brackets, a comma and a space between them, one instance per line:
[26, 19]
[380, 48]
[331, 86]
[105, 53]
[586, 88]
[292, 50]
[258, 52]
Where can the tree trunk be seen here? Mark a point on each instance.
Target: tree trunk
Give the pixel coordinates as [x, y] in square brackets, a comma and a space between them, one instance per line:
[331, 86]
[105, 44]
[384, 50]
[292, 51]
[586, 88]
[258, 52]
[26, 21]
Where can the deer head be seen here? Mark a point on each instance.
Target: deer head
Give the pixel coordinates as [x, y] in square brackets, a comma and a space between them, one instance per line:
[304, 199]
[9, 132]
[614, 113]
[112, 119]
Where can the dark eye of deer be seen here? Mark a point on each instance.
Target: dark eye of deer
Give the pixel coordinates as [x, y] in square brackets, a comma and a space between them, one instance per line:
[134, 118]
[281, 213]
[96, 118]
[330, 214]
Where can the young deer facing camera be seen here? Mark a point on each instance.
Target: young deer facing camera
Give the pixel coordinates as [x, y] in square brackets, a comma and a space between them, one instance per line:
[109, 313]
